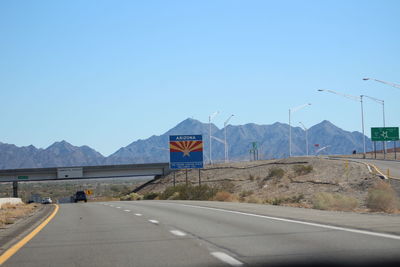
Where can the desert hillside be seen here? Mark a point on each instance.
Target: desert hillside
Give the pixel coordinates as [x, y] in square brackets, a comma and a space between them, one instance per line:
[293, 181]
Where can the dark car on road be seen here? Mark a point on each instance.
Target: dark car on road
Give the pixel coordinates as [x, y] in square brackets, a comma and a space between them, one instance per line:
[80, 196]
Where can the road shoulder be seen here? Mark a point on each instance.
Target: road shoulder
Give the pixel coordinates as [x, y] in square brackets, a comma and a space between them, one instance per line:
[375, 222]
[17, 231]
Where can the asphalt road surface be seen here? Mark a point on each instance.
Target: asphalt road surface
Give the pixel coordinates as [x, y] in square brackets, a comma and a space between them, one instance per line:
[384, 165]
[156, 233]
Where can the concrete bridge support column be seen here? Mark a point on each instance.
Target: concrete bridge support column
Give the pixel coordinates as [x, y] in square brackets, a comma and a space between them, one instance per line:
[15, 189]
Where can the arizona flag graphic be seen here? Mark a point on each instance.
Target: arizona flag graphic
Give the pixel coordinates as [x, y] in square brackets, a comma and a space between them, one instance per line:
[186, 151]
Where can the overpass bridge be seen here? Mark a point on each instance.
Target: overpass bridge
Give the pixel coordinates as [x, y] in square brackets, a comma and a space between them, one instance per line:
[83, 172]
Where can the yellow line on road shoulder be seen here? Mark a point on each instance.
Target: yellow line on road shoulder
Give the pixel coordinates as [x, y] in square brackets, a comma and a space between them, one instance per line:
[11, 251]
[381, 172]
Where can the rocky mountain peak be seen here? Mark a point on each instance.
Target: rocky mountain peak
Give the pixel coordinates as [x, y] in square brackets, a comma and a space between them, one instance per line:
[272, 142]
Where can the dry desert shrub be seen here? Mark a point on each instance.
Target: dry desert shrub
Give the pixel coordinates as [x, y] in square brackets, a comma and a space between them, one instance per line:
[224, 196]
[104, 198]
[150, 195]
[285, 199]
[227, 186]
[132, 196]
[302, 169]
[254, 199]
[245, 194]
[188, 192]
[9, 213]
[382, 197]
[334, 201]
[251, 177]
[275, 173]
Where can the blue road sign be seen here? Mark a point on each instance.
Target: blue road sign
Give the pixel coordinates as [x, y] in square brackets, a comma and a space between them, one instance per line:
[186, 151]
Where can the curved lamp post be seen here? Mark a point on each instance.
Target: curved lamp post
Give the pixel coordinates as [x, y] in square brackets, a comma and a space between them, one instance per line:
[388, 83]
[355, 98]
[306, 130]
[226, 144]
[382, 102]
[290, 127]
[209, 123]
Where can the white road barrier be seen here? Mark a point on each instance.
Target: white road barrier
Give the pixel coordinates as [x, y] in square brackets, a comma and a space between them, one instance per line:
[10, 200]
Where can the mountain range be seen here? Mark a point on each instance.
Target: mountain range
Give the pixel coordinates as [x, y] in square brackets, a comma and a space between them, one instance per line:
[272, 142]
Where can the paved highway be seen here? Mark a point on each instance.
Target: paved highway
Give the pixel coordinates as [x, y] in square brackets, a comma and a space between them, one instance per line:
[157, 233]
[384, 165]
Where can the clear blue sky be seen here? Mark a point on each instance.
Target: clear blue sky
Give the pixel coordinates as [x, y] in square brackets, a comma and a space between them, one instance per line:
[106, 73]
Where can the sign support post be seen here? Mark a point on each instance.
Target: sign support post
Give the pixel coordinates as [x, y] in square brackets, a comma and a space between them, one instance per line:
[383, 150]
[199, 177]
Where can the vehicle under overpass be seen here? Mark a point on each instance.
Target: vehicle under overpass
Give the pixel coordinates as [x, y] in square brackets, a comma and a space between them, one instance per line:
[82, 172]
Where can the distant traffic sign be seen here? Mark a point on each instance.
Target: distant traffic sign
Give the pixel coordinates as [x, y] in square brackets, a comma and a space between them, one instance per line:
[88, 192]
[23, 177]
[385, 133]
[186, 151]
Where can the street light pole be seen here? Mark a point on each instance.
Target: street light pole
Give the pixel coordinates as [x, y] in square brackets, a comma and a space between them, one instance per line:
[306, 130]
[362, 122]
[356, 98]
[226, 144]
[290, 136]
[382, 102]
[379, 101]
[388, 83]
[290, 127]
[209, 123]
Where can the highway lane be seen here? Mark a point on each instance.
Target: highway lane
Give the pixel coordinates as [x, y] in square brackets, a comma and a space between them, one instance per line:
[384, 165]
[91, 234]
[156, 233]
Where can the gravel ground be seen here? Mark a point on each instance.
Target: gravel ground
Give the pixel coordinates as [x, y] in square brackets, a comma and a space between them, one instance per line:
[255, 180]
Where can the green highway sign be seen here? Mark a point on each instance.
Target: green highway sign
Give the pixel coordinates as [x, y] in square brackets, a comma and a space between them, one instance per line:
[385, 133]
[23, 177]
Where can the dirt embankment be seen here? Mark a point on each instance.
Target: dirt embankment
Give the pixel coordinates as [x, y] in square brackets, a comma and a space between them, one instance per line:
[297, 179]
[10, 213]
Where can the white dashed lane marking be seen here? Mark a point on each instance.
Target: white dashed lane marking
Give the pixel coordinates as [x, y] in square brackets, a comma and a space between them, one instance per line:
[178, 233]
[138, 214]
[127, 210]
[154, 221]
[226, 258]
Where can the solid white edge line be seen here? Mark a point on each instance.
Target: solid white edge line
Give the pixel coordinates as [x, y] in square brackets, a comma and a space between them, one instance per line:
[365, 232]
[369, 168]
[379, 171]
[226, 258]
[178, 233]
[138, 214]
[154, 221]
